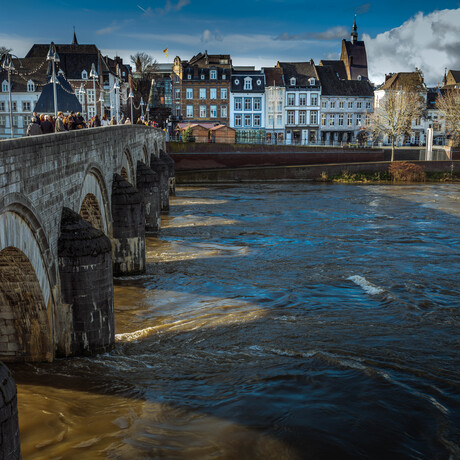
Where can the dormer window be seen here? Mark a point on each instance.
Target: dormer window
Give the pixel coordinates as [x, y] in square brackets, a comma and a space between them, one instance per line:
[224, 77]
[312, 81]
[5, 86]
[213, 74]
[189, 76]
[292, 81]
[202, 76]
[360, 77]
[30, 86]
[237, 82]
[259, 82]
[84, 75]
[248, 83]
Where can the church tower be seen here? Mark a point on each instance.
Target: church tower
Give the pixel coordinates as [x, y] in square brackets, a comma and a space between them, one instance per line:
[354, 56]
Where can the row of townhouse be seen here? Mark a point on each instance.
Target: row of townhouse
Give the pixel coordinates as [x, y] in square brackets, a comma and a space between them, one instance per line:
[104, 94]
[292, 102]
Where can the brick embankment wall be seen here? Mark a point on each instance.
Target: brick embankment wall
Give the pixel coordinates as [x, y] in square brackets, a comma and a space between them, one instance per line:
[299, 173]
[9, 426]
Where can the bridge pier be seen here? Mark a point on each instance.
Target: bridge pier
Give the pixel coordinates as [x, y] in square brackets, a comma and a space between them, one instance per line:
[171, 170]
[162, 169]
[9, 425]
[128, 216]
[148, 184]
[85, 268]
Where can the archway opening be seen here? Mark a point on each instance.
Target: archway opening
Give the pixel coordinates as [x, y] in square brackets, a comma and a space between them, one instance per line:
[24, 329]
[91, 212]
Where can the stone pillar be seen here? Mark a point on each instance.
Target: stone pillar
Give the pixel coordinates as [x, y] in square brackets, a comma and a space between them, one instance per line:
[128, 217]
[161, 168]
[9, 426]
[171, 170]
[85, 269]
[148, 184]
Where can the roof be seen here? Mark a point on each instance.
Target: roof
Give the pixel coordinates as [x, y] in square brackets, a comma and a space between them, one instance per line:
[357, 58]
[35, 69]
[258, 82]
[185, 125]
[301, 71]
[66, 99]
[332, 85]
[404, 80]
[452, 80]
[339, 67]
[215, 128]
[211, 59]
[273, 76]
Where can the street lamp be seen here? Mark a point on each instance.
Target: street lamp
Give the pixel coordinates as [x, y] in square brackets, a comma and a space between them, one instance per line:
[93, 75]
[53, 56]
[142, 106]
[101, 100]
[7, 64]
[83, 92]
[131, 96]
[116, 87]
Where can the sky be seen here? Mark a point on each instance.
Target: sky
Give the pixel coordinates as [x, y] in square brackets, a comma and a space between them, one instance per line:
[399, 35]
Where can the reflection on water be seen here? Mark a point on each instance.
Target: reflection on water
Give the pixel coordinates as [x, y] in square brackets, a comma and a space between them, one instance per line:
[274, 321]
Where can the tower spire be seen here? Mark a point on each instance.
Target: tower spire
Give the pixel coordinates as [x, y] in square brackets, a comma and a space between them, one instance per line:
[74, 41]
[354, 33]
[444, 80]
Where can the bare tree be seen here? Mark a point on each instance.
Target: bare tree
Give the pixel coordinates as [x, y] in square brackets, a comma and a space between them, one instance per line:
[393, 115]
[449, 104]
[4, 50]
[145, 65]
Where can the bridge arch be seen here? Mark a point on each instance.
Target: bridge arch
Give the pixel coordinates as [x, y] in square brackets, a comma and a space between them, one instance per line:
[25, 291]
[94, 205]
[127, 167]
[145, 155]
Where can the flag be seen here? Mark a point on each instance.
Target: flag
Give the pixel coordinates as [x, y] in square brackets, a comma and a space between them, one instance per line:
[166, 51]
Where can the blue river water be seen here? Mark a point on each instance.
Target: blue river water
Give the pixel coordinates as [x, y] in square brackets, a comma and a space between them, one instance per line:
[275, 321]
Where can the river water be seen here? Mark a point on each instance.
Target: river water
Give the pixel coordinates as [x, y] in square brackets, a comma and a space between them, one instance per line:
[275, 321]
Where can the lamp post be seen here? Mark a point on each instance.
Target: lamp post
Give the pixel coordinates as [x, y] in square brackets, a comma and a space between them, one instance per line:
[131, 96]
[53, 56]
[101, 100]
[82, 92]
[116, 87]
[142, 107]
[93, 75]
[7, 64]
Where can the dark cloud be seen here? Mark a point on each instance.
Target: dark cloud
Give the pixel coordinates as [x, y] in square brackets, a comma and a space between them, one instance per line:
[288, 37]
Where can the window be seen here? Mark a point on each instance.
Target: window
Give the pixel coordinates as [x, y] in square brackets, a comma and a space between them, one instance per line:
[237, 120]
[2, 106]
[26, 106]
[189, 93]
[213, 93]
[314, 99]
[202, 93]
[30, 86]
[302, 99]
[189, 111]
[257, 121]
[5, 86]
[341, 119]
[81, 98]
[247, 103]
[257, 103]
[237, 82]
[237, 103]
[2, 120]
[213, 111]
[202, 76]
[224, 77]
[324, 104]
[302, 117]
[332, 120]
[176, 78]
[359, 105]
[177, 93]
[178, 111]
[279, 106]
[358, 120]
[291, 100]
[368, 105]
[91, 95]
[350, 119]
[290, 117]
[223, 111]
[247, 120]
[312, 81]
[213, 74]
[332, 104]
[14, 106]
[292, 81]
[313, 117]
[15, 121]
[279, 120]
[223, 93]
[270, 121]
[203, 111]
[323, 119]
[341, 104]
[84, 75]
[350, 104]
[189, 76]
[91, 111]
[248, 83]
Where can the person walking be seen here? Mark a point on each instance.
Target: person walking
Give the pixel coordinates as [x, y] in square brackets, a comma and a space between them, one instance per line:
[34, 129]
[128, 121]
[59, 124]
[47, 126]
[104, 121]
[113, 121]
[96, 121]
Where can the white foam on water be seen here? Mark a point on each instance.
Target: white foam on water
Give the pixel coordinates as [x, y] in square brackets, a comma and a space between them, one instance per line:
[366, 285]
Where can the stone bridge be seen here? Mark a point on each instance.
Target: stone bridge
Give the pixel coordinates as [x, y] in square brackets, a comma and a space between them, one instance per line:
[74, 209]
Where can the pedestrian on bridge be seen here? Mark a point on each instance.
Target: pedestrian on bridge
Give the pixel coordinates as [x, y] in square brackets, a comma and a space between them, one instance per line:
[59, 124]
[34, 129]
[47, 126]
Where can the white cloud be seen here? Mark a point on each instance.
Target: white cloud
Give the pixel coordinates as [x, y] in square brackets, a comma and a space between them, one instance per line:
[108, 30]
[208, 36]
[430, 42]
[169, 6]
